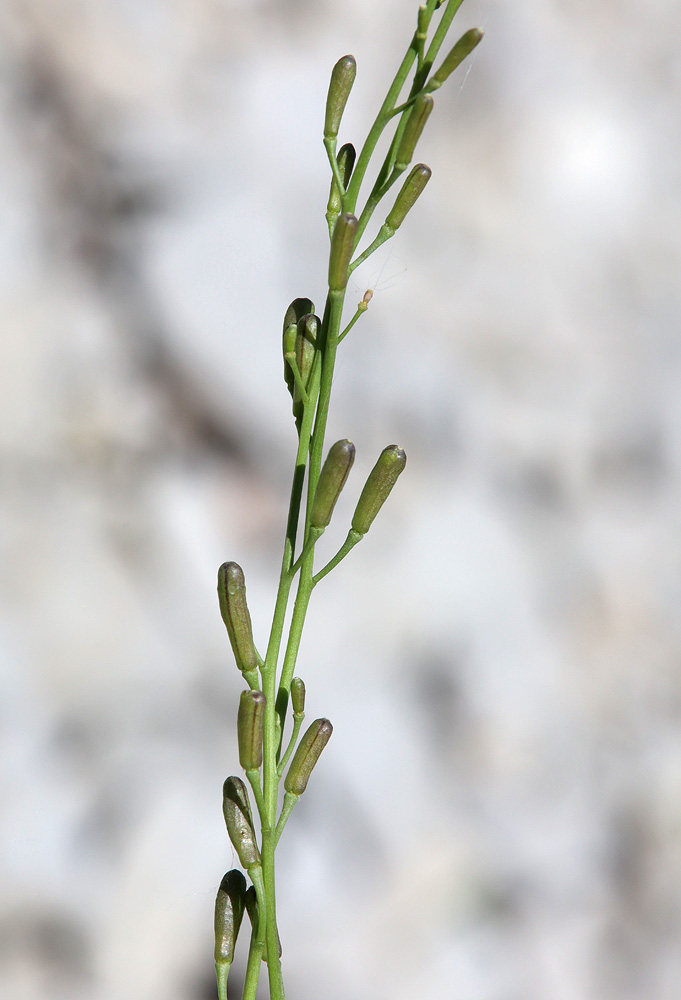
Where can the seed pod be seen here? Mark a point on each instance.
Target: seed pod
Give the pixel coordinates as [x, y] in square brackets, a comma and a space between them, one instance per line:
[331, 481]
[342, 245]
[298, 696]
[342, 78]
[229, 911]
[235, 615]
[299, 307]
[346, 161]
[411, 189]
[380, 482]
[306, 339]
[416, 121]
[307, 755]
[249, 726]
[456, 56]
[237, 812]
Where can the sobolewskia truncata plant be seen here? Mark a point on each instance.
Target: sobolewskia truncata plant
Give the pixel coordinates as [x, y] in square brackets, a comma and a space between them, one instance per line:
[267, 755]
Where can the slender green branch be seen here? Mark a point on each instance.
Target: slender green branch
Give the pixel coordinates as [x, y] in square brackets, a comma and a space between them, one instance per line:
[353, 537]
[297, 723]
[289, 802]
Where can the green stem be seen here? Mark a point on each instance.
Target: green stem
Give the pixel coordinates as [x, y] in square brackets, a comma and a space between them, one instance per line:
[290, 800]
[352, 539]
[253, 967]
[297, 723]
[222, 972]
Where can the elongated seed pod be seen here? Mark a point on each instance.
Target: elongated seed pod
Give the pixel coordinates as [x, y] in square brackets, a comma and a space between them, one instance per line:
[346, 161]
[298, 308]
[249, 726]
[456, 56]
[229, 911]
[235, 615]
[298, 695]
[239, 822]
[342, 245]
[342, 78]
[331, 481]
[411, 189]
[307, 755]
[418, 116]
[306, 339]
[379, 483]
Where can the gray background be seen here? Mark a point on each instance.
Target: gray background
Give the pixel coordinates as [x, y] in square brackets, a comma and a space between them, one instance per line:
[498, 815]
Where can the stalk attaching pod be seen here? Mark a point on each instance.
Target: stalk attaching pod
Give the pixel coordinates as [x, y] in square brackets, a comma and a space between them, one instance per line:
[249, 726]
[305, 347]
[237, 618]
[332, 479]
[237, 812]
[406, 199]
[418, 116]
[380, 482]
[342, 246]
[306, 756]
[455, 57]
[229, 911]
[342, 78]
[346, 161]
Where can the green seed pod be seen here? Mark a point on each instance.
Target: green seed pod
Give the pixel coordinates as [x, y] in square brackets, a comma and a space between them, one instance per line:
[297, 309]
[411, 189]
[380, 482]
[342, 78]
[346, 161]
[237, 812]
[456, 56]
[416, 121]
[249, 726]
[342, 245]
[307, 755]
[298, 696]
[305, 346]
[229, 911]
[331, 481]
[235, 615]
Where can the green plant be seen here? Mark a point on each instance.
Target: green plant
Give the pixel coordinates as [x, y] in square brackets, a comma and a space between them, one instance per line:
[309, 347]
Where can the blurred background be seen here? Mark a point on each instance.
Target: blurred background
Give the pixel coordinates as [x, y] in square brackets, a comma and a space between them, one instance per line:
[498, 815]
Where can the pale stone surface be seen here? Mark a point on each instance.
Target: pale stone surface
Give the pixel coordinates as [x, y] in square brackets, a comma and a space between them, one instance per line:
[498, 814]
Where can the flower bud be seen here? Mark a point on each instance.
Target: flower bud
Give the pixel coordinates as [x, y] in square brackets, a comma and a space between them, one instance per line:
[307, 755]
[342, 78]
[331, 481]
[456, 56]
[235, 615]
[298, 696]
[380, 482]
[229, 911]
[346, 161]
[249, 726]
[411, 189]
[237, 813]
[418, 116]
[342, 246]
[297, 309]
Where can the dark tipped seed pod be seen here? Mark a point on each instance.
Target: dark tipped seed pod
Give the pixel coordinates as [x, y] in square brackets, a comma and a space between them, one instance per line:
[456, 56]
[346, 161]
[416, 121]
[307, 755]
[249, 726]
[342, 78]
[298, 695]
[229, 911]
[306, 339]
[342, 245]
[239, 822]
[331, 481]
[411, 189]
[235, 615]
[298, 308]
[380, 482]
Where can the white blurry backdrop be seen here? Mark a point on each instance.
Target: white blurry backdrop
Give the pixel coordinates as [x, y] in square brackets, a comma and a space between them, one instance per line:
[498, 814]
